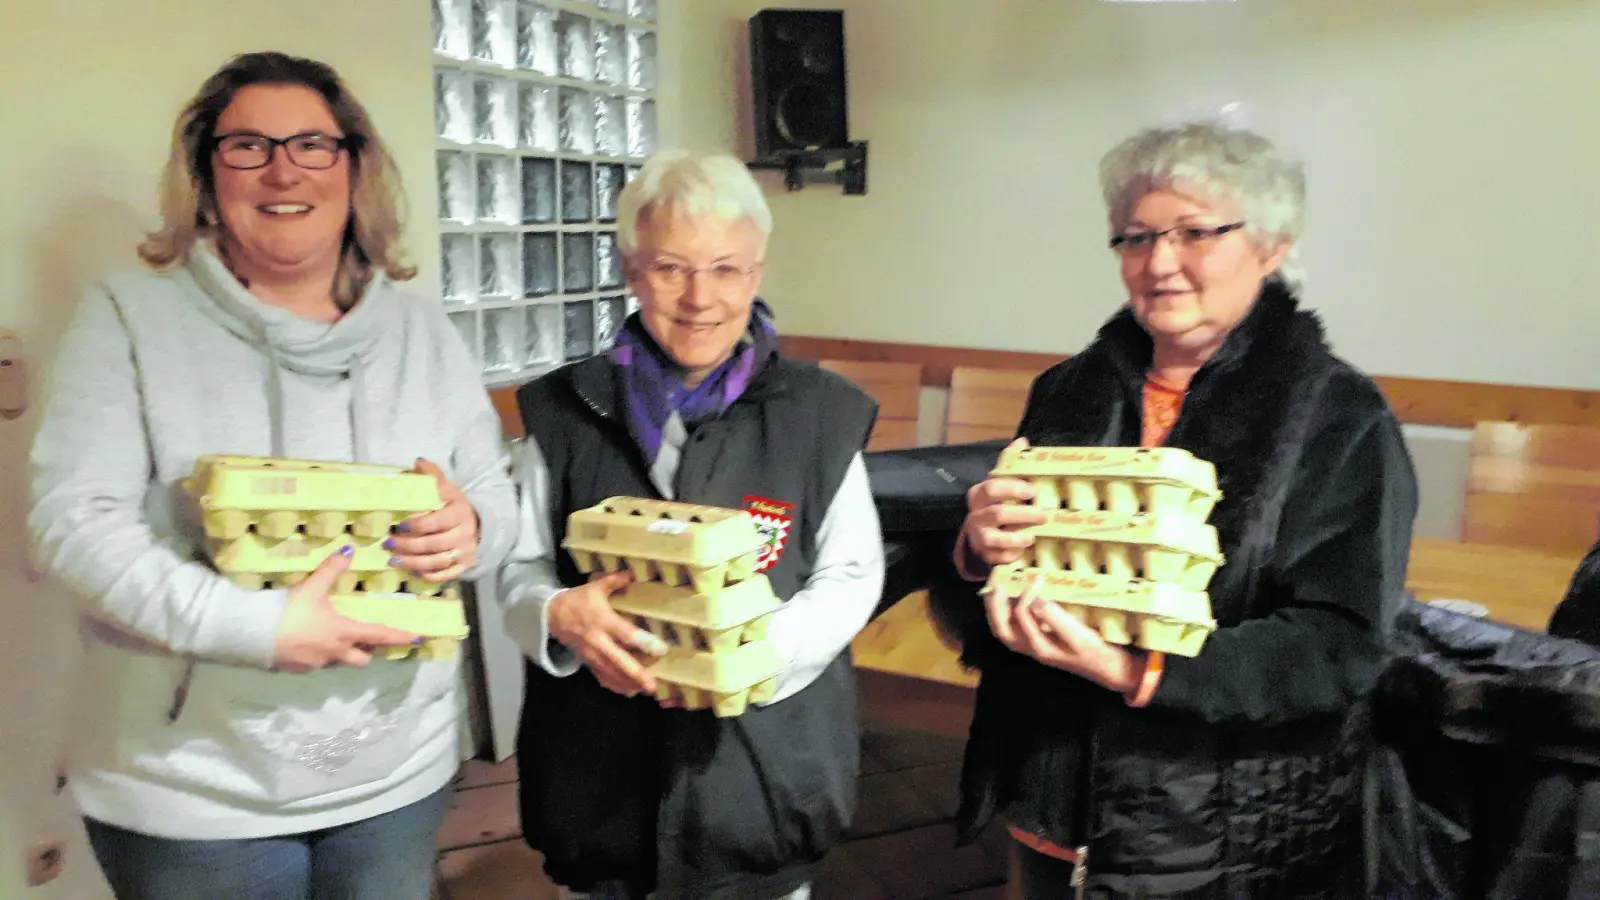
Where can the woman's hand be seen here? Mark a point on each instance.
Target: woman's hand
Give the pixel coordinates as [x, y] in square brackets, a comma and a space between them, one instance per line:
[313, 636]
[1033, 626]
[996, 508]
[614, 649]
[440, 545]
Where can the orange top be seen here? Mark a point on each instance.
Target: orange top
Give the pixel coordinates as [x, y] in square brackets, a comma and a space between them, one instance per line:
[1162, 400]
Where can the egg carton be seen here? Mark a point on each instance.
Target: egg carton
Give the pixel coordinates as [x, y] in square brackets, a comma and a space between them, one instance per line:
[726, 683]
[1133, 612]
[1125, 480]
[255, 563]
[713, 623]
[1177, 551]
[279, 498]
[664, 540]
[441, 622]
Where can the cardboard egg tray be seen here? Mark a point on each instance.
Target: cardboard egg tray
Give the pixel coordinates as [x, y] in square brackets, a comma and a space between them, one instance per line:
[254, 562]
[711, 623]
[1183, 552]
[1147, 614]
[725, 682]
[440, 621]
[279, 498]
[662, 540]
[1162, 481]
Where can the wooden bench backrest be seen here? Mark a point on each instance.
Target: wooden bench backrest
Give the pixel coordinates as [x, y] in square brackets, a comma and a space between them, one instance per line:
[897, 388]
[985, 403]
[1533, 486]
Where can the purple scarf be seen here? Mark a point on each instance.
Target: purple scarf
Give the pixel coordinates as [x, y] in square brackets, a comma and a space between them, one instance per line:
[652, 384]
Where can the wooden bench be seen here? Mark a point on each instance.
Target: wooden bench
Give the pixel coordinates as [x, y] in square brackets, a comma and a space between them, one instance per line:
[897, 387]
[985, 403]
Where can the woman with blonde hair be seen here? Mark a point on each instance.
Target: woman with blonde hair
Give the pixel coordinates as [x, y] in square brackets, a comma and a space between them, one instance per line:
[244, 743]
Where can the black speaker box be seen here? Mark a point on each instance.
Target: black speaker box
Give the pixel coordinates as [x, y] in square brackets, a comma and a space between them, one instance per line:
[797, 74]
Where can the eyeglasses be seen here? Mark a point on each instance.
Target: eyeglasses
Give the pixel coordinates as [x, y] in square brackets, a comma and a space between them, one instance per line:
[671, 276]
[1188, 237]
[250, 150]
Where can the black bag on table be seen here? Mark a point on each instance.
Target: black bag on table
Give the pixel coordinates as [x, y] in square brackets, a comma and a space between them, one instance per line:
[921, 497]
[1488, 763]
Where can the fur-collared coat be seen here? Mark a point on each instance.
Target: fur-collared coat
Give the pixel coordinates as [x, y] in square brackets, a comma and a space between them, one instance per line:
[1242, 778]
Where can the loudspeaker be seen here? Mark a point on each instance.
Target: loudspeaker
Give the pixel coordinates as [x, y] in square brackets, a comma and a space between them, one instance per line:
[797, 81]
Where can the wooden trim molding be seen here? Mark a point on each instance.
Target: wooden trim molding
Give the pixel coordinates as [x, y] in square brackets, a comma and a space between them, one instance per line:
[1417, 401]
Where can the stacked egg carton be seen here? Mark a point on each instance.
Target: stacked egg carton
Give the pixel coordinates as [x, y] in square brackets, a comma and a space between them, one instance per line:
[695, 587]
[270, 522]
[1126, 548]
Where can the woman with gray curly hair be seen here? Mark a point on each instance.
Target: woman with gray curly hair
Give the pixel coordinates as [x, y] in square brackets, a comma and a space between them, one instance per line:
[1235, 773]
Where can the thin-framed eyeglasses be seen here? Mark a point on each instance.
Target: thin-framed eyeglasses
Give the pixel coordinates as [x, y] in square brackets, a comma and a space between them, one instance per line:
[253, 150]
[667, 275]
[1185, 237]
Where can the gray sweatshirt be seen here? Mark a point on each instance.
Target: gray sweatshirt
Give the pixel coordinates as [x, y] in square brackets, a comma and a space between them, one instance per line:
[156, 369]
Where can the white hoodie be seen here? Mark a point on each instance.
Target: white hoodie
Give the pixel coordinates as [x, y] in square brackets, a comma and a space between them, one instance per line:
[157, 369]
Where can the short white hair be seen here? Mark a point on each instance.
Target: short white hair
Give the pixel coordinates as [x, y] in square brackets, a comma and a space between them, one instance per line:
[1222, 163]
[692, 183]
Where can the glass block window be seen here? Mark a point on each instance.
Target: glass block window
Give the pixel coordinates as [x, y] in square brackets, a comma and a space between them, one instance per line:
[543, 110]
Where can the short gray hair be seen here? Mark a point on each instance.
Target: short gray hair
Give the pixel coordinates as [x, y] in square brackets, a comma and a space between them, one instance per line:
[716, 184]
[1221, 163]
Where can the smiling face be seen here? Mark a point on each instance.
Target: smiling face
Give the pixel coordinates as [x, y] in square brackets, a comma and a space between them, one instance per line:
[1189, 292]
[696, 277]
[281, 220]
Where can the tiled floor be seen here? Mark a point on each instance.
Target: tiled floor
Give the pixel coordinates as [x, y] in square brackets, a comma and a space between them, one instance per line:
[901, 847]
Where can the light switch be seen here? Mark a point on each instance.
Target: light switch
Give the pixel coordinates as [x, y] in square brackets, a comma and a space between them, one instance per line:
[13, 377]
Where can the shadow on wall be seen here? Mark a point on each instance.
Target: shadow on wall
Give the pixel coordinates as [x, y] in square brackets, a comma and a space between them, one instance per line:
[86, 229]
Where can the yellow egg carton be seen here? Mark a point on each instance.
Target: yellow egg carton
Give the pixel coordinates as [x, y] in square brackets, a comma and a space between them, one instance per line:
[1126, 480]
[1183, 552]
[255, 563]
[279, 498]
[714, 623]
[664, 540]
[1133, 612]
[440, 621]
[724, 682]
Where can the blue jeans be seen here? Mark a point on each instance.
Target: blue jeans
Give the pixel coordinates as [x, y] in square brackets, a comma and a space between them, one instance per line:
[387, 857]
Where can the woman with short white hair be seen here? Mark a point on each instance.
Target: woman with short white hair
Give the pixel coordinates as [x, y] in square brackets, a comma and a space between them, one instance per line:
[625, 796]
[1235, 773]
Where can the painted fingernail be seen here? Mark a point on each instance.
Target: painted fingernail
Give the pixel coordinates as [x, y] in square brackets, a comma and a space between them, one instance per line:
[394, 562]
[347, 551]
[388, 544]
[416, 641]
[402, 528]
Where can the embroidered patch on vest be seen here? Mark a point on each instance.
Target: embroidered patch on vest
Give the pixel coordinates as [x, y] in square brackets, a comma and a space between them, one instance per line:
[773, 518]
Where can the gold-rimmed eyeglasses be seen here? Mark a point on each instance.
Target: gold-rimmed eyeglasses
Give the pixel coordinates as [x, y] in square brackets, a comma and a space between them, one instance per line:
[666, 275]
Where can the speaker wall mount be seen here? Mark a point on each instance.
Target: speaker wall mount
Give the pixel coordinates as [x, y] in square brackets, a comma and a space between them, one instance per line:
[798, 89]
[846, 167]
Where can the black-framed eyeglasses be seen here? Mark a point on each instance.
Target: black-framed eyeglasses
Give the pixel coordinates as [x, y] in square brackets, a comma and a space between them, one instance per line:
[1186, 236]
[252, 150]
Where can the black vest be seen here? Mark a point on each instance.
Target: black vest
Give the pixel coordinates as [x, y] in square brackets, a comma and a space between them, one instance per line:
[741, 807]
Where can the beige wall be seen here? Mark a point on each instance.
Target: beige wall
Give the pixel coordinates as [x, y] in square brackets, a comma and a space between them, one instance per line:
[1449, 145]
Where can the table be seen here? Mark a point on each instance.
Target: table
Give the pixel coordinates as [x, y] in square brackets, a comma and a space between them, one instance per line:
[1520, 586]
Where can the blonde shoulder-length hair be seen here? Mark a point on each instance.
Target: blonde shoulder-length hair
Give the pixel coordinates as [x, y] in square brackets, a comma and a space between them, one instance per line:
[372, 237]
